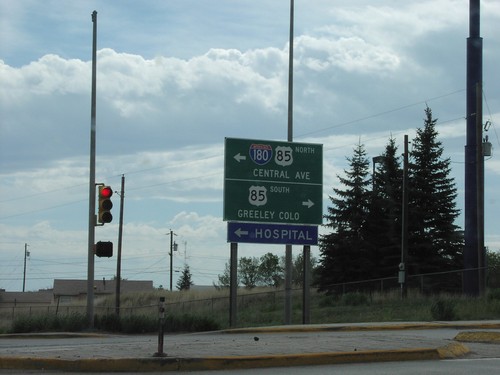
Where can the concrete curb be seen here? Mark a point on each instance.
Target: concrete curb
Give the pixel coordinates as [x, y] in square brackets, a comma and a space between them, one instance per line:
[481, 337]
[453, 350]
[372, 327]
[50, 335]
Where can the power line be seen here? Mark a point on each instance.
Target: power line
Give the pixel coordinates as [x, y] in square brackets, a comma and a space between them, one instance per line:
[216, 156]
[379, 114]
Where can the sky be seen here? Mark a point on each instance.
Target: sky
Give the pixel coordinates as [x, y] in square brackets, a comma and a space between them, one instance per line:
[174, 79]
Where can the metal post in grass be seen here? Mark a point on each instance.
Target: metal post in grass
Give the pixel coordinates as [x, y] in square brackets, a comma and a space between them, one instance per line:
[161, 313]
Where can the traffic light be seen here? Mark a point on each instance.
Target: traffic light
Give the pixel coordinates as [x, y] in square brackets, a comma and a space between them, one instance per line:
[105, 205]
[104, 249]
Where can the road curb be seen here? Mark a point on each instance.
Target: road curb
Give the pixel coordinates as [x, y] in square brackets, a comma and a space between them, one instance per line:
[50, 335]
[371, 327]
[479, 336]
[453, 350]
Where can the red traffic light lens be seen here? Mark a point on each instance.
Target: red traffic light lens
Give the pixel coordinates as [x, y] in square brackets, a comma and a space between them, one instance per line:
[106, 192]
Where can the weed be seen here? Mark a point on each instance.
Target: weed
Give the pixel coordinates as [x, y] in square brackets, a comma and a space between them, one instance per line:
[494, 294]
[354, 299]
[443, 310]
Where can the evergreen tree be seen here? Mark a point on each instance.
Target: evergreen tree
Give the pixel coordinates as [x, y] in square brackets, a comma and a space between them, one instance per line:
[383, 227]
[344, 253]
[435, 243]
[184, 282]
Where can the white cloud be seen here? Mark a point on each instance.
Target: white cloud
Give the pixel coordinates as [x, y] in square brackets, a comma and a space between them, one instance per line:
[351, 54]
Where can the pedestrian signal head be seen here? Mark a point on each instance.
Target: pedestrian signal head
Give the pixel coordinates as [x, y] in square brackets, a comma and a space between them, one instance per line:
[104, 249]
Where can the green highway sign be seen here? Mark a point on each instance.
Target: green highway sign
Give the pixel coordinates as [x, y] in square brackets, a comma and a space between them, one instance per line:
[289, 162]
[274, 182]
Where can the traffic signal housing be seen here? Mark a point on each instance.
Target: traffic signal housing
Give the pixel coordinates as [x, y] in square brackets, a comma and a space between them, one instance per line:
[104, 249]
[105, 205]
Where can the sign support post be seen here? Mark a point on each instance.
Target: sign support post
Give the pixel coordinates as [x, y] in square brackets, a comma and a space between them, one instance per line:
[233, 285]
[306, 292]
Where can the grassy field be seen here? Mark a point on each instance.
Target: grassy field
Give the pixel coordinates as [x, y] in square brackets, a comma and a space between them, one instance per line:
[194, 310]
[264, 307]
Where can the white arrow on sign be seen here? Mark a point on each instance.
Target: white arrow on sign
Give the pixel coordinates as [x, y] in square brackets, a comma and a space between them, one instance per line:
[309, 203]
[239, 157]
[239, 232]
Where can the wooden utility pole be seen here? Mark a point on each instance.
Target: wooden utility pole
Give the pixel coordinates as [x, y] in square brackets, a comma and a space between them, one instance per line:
[26, 254]
[171, 253]
[119, 255]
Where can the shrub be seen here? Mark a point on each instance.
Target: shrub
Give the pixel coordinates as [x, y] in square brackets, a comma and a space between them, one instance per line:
[328, 300]
[443, 310]
[190, 323]
[354, 299]
[112, 323]
[494, 294]
[72, 323]
[49, 322]
[108, 322]
[139, 324]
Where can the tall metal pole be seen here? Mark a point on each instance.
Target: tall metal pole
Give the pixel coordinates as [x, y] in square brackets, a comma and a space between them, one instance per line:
[403, 268]
[91, 234]
[233, 286]
[306, 294]
[473, 115]
[288, 248]
[290, 75]
[481, 256]
[119, 256]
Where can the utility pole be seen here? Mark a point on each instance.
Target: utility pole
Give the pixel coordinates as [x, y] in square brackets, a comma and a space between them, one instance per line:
[92, 220]
[119, 256]
[171, 253]
[26, 254]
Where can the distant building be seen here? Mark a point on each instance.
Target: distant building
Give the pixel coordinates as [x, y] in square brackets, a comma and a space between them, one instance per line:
[68, 291]
[21, 299]
[76, 290]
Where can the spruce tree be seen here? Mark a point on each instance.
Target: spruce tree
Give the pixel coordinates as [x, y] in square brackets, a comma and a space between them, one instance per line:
[383, 227]
[344, 253]
[435, 243]
[184, 282]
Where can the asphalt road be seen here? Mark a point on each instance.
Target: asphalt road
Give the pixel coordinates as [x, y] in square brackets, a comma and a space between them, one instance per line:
[484, 366]
[257, 348]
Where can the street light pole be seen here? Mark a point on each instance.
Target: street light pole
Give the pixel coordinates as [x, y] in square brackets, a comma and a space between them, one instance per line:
[91, 230]
[403, 272]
